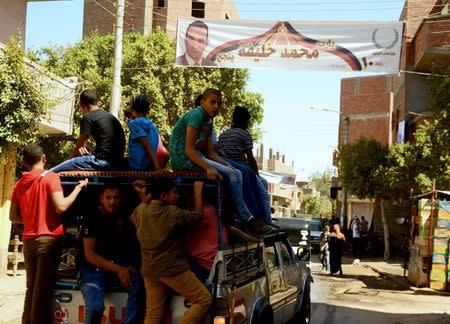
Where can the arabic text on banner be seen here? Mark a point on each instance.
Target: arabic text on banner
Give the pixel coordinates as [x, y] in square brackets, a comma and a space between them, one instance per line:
[331, 46]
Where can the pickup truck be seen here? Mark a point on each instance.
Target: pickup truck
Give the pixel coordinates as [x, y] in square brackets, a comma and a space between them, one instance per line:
[251, 282]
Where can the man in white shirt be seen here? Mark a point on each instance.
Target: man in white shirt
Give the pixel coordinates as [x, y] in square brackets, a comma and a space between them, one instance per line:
[196, 41]
[356, 243]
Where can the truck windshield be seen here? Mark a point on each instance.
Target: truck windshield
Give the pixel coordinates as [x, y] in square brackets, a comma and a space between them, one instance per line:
[315, 226]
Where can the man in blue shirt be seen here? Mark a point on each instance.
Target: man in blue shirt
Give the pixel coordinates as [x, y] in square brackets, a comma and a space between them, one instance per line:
[143, 139]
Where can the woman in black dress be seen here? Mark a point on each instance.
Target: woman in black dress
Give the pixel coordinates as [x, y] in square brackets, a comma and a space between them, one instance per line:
[336, 247]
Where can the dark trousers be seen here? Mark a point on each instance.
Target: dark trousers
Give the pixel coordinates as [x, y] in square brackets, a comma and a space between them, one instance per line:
[41, 264]
[356, 245]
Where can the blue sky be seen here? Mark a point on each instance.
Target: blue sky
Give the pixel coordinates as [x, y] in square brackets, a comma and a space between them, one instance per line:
[306, 137]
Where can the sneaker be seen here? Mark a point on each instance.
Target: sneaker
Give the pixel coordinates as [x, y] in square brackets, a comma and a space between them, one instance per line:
[257, 228]
[243, 235]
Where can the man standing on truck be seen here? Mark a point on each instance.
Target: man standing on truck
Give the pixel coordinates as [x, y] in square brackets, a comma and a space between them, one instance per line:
[160, 225]
[111, 251]
[38, 202]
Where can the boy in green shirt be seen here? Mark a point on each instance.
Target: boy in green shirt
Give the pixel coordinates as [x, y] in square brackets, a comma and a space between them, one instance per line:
[191, 147]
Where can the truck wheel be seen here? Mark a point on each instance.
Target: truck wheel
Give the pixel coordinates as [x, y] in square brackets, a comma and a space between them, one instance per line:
[305, 313]
[265, 317]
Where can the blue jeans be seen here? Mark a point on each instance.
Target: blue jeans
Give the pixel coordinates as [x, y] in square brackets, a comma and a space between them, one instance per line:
[233, 182]
[93, 285]
[325, 260]
[84, 162]
[255, 192]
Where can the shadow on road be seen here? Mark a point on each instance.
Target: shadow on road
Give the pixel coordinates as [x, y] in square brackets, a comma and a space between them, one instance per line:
[371, 282]
[326, 314]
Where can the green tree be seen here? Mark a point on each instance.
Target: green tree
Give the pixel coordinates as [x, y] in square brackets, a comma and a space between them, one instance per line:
[426, 159]
[22, 104]
[23, 100]
[148, 68]
[360, 165]
[321, 181]
[312, 204]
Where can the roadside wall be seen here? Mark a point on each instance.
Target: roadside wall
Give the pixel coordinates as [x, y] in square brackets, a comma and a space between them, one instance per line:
[7, 170]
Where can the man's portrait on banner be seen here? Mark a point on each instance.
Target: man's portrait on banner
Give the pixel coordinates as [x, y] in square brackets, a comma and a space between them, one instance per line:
[196, 40]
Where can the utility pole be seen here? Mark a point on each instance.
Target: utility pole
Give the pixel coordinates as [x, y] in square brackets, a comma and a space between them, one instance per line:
[343, 219]
[346, 118]
[116, 88]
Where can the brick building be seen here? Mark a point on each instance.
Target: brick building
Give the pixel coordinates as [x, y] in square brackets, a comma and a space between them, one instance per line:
[367, 101]
[285, 194]
[389, 107]
[145, 15]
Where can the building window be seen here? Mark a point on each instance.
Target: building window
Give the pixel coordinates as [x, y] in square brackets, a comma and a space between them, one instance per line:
[198, 9]
[161, 3]
[226, 16]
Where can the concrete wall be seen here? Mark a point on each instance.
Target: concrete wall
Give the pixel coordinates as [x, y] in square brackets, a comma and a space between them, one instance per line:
[12, 18]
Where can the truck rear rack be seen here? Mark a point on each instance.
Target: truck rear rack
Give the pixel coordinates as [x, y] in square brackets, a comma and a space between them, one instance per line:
[127, 177]
[242, 263]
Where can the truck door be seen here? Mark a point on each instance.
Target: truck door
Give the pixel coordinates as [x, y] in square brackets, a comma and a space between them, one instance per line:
[275, 277]
[291, 274]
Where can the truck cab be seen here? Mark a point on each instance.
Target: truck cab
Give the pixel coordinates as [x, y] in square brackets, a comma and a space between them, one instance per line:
[251, 282]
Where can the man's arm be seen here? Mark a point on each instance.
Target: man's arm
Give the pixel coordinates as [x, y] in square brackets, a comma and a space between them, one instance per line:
[140, 187]
[182, 217]
[198, 199]
[192, 154]
[80, 147]
[151, 153]
[62, 203]
[14, 213]
[98, 261]
[212, 154]
[251, 160]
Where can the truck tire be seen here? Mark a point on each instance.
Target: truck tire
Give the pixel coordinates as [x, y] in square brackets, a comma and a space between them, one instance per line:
[266, 316]
[263, 313]
[305, 312]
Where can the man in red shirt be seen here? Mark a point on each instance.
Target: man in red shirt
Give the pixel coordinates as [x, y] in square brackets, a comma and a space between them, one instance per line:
[38, 202]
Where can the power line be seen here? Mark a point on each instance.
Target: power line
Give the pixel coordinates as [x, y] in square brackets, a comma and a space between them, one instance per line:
[107, 10]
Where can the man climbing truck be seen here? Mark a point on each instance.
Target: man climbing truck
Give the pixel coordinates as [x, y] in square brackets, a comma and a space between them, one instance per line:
[262, 281]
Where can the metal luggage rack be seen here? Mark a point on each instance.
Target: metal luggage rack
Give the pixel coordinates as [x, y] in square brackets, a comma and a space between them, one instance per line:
[128, 177]
[242, 263]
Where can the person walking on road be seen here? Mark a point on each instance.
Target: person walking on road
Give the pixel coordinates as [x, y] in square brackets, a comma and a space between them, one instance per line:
[336, 246]
[324, 255]
[356, 238]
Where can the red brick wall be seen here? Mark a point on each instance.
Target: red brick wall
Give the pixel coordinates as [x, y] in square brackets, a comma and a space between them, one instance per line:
[439, 33]
[415, 11]
[366, 101]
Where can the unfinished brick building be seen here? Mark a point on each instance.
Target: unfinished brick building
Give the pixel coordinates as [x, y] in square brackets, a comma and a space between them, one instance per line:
[145, 15]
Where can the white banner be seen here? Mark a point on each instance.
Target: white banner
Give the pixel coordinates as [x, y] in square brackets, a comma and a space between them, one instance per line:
[331, 46]
[279, 178]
